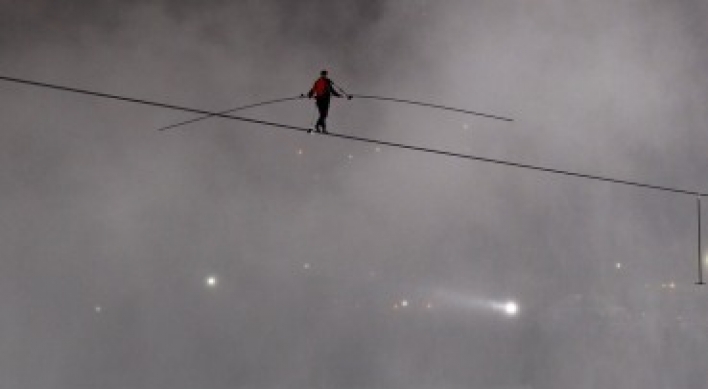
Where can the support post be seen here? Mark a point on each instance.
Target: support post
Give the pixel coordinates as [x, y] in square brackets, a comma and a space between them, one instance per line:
[700, 245]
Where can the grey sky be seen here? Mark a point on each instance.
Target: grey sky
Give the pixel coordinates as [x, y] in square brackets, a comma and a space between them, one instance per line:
[108, 229]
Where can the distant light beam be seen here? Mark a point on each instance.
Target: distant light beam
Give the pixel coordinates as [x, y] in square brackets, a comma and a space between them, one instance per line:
[509, 308]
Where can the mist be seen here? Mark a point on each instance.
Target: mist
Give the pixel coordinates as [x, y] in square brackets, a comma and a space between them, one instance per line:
[337, 264]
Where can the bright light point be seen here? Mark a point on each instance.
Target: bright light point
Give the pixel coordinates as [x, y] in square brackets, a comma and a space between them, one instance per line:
[97, 308]
[211, 281]
[299, 152]
[350, 156]
[511, 308]
[306, 266]
[404, 303]
[618, 265]
[672, 285]
[429, 305]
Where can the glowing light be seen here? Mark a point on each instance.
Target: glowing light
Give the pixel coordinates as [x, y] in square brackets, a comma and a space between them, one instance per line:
[350, 156]
[211, 281]
[511, 308]
[98, 309]
[477, 303]
[404, 303]
[672, 285]
[618, 265]
[299, 152]
[306, 266]
[429, 305]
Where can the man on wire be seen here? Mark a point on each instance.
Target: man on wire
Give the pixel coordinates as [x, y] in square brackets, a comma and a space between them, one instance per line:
[322, 91]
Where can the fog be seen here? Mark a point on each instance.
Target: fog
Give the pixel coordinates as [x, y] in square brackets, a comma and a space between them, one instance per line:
[337, 264]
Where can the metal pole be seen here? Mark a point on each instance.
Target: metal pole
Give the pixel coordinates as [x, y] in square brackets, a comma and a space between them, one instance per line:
[700, 248]
[200, 118]
[342, 90]
[437, 106]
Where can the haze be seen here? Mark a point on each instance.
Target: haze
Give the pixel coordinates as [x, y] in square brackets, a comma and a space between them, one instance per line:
[230, 255]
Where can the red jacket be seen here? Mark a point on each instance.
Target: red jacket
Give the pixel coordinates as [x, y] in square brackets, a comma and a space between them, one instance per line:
[322, 88]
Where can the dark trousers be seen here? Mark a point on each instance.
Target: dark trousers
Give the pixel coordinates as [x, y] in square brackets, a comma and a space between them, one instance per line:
[323, 107]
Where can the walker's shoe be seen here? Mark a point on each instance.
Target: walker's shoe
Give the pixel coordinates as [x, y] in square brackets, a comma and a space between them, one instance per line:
[309, 130]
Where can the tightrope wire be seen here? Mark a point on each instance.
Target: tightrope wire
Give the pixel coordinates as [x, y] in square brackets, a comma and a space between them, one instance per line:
[356, 138]
[206, 114]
